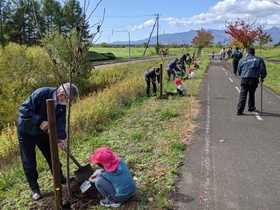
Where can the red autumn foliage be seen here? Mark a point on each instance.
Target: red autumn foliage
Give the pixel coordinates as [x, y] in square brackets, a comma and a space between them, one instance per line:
[242, 32]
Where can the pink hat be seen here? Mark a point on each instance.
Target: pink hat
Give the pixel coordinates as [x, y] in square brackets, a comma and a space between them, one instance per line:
[177, 81]
[106, 157]
[190, 70]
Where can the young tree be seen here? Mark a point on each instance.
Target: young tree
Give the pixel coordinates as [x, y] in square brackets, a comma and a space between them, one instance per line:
[203, 39]
[242, 32]
[263, 37]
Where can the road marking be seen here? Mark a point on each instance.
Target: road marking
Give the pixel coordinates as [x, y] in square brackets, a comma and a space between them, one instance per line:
[230, 79]
[206, 183]
[258, 116]
[238, 90]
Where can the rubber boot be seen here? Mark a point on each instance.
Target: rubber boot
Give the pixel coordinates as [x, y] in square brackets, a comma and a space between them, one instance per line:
[36, 194]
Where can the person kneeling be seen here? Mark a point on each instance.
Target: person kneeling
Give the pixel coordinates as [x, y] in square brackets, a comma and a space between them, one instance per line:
[115, 181]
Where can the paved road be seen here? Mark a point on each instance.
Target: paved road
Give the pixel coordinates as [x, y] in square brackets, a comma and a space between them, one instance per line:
[232, 161]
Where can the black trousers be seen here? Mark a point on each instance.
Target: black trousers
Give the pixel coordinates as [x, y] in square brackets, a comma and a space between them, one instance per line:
[234, 65]
[27, 145]
[248, 85]
[148, 86]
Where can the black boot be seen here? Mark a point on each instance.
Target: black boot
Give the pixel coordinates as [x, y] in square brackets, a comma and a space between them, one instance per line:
[36, 194]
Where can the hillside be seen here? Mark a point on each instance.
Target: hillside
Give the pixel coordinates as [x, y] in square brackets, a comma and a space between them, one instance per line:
[186, 38]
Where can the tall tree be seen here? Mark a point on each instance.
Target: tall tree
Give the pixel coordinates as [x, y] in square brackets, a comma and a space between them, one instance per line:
[74, 17]
[4, 11]
[242, 32]
[52, 13]
[21, 23]
[203, 39]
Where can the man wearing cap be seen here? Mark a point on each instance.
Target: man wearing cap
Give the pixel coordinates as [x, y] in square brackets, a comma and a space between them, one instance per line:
[115, 182]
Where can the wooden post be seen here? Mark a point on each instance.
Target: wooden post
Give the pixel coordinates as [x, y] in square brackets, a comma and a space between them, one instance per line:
[54, 154]
[160, 82]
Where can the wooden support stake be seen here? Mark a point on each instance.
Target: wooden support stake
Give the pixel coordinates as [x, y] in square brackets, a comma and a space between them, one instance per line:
[54, 154]
[160, 82]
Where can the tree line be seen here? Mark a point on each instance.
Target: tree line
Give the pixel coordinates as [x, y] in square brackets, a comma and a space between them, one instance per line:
[17, 23]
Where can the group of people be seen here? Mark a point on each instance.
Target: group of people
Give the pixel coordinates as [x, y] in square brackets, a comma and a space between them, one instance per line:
[174, 68]
[114, 180]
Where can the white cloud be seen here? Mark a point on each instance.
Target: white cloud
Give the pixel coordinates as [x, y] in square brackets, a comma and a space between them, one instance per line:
[263, 12]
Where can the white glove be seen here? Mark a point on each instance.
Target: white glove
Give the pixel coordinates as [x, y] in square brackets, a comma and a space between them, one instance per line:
[96, 174]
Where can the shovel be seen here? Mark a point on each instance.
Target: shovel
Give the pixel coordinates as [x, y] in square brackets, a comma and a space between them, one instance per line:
[84, 172]
[87, 184]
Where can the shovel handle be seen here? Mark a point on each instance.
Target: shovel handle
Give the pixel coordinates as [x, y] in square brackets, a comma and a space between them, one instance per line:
[73, 158]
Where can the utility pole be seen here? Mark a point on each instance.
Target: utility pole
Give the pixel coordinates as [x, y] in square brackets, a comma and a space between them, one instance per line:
[156, 23]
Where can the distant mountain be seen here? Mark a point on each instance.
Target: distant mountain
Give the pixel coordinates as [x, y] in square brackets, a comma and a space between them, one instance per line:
[186, 38]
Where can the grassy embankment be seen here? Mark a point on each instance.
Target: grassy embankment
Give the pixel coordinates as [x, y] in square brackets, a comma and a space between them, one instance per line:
[147, 133]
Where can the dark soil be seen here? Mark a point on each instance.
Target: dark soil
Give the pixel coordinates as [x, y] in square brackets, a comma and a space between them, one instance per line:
[77, 200]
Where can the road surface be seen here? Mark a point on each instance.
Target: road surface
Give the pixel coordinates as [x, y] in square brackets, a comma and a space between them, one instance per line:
[233, 160]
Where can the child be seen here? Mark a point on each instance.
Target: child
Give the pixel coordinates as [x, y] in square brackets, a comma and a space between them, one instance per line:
[195, 65]
[114, 180]
[191, 73]
[181, 89]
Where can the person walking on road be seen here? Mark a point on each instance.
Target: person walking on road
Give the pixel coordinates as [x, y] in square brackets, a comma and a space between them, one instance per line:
[32, 129]
[251, 68]
[236, 56]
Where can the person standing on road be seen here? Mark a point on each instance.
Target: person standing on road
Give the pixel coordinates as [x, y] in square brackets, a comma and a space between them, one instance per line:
[236, 56]
[151, 75]
[32, 129]
[251, 68]
[171, 68]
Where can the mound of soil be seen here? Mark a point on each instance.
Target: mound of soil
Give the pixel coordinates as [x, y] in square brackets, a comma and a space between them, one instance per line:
[77, 200]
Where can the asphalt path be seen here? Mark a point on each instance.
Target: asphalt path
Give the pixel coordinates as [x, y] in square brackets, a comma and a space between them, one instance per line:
[233, 160]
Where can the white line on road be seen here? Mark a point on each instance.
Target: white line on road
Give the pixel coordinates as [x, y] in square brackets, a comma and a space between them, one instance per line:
[206, 184]
[256, 113]
[238, 90]
[230, 79]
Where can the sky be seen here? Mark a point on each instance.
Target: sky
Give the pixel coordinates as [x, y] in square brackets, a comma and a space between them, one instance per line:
[126, 20]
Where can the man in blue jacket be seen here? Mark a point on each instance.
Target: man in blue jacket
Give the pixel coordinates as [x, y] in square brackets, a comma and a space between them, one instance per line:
[152, 76]
[32, 129]
[171, 68]
[236, 56]
[251, 68]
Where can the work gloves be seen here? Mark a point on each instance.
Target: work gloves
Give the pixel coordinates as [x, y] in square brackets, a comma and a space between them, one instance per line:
[96, 174]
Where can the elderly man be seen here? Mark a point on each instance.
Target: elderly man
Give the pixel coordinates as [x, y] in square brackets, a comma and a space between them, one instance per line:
[250, 69]
[32, 127]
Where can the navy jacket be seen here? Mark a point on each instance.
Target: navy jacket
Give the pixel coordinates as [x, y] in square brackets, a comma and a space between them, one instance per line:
[173, 65]
[236, 55]
[33, 112]
[252, 67]
[150, 74]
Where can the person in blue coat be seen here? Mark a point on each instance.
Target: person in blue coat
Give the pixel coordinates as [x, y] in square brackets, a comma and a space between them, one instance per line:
[250, 69]
[152, 76]
[172, 68]
[114, 180]
[236, 56]
[32, 129]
